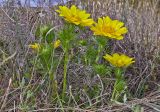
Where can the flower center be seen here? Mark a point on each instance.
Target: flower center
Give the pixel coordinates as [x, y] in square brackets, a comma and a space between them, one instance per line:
[109, 29]
[76, 18]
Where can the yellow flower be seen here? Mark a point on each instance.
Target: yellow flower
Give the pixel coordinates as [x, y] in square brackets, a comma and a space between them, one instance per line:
[109, 28]
[75, 15]
[57, 43]
[35, 46]
[119, 60]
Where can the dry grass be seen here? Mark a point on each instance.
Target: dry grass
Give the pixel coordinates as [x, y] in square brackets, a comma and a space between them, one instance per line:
[17, 26]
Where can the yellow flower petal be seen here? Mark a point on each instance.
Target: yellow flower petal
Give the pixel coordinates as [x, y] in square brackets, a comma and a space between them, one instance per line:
[122, 31]
[107, 20]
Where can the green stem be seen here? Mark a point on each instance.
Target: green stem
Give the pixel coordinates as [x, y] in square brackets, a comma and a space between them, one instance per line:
[99, 51]
[118, 73]
[60, 103]
[53, 83]
[65, 74]
[114, 91]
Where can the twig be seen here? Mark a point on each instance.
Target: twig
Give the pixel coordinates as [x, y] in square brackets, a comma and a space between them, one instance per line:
[6, 95]
[5, 60]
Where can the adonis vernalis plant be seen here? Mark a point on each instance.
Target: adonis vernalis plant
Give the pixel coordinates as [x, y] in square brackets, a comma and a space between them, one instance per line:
[119, 61]
[75, 15]
[67, 38]
[94, 47]
[45, 50]
[109, 28]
